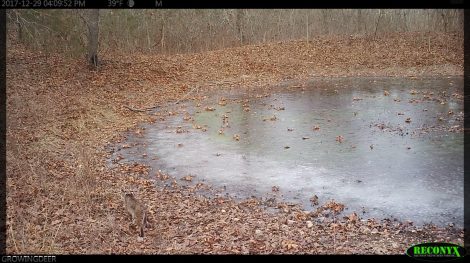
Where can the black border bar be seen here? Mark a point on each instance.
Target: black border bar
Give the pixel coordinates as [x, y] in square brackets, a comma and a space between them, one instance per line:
[159, 4]
[3, 141]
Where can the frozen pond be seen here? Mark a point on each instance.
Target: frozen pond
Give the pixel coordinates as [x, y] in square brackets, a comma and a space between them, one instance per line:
[386, 146]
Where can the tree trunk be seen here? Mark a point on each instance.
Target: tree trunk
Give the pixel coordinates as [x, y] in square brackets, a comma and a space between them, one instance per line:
[307, 25]
[377, 24]
[359, 21]
[18, 23]
[239, 24]
[93, 33]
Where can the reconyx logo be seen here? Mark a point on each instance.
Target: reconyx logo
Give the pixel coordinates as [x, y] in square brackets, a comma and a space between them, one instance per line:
[436, 251]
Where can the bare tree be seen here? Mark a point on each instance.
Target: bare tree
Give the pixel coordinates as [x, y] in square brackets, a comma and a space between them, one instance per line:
[92, 23]
[377, 23]
[239, 23]
[174, 31]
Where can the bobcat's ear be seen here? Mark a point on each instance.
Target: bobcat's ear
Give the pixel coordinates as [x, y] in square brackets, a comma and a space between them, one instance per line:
[123, 193]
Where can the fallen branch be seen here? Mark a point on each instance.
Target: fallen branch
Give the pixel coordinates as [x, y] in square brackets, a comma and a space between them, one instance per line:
[156, 106]
[140, 110]
[187, 94]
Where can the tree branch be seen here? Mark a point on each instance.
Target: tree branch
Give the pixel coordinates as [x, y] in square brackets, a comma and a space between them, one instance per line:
[140, 110]
[184, 97]
[157, 106]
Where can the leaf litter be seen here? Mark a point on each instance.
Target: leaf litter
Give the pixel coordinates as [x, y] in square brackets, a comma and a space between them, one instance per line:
[62, 197]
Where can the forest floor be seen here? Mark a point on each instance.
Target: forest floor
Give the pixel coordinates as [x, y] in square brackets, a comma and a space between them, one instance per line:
[62, 198]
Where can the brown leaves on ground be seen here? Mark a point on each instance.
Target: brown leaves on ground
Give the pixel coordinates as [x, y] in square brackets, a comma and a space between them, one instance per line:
[63, 198]
[339, 138]
[188, 178]
[314, 200]
[272, 118]
[334, 206]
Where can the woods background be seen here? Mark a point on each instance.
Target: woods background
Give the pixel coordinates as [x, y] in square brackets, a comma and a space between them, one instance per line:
[183, 31]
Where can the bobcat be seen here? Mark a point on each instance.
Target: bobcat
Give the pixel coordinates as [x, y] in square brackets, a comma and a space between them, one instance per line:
[137, 211]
